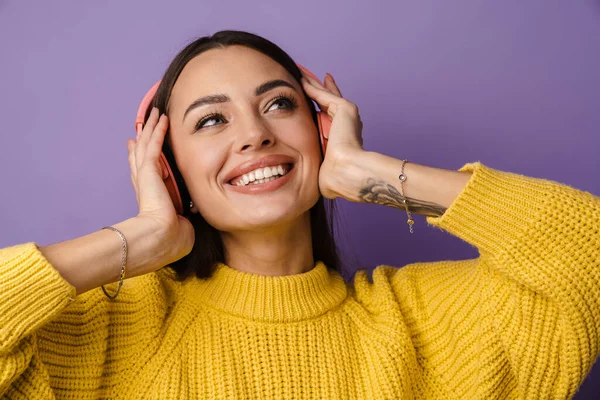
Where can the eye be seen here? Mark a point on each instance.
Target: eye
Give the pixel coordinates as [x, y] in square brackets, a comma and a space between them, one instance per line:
[285, 102]
[288, 102]
[211, 117]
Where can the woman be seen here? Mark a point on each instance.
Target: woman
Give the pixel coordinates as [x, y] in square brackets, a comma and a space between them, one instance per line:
[251, 304]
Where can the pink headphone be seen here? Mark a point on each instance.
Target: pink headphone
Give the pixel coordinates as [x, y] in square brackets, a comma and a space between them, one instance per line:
[324, 124]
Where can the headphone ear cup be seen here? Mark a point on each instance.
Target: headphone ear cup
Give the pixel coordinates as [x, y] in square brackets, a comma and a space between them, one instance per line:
[324, 127]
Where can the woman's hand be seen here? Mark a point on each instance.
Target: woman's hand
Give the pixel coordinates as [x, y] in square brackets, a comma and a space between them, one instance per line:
[345, 136]
[153, 199]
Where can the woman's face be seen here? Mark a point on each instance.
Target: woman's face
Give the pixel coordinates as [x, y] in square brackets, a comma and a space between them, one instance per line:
[241, 123]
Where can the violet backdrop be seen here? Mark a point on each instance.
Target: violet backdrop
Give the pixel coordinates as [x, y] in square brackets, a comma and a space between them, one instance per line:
[513, 84]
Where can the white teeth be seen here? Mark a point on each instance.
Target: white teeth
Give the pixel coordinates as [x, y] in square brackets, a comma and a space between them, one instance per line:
[259, 181]
[261, 175]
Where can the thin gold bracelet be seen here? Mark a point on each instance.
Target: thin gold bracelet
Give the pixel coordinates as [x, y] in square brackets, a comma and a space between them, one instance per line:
[402, 178]
[123, 262]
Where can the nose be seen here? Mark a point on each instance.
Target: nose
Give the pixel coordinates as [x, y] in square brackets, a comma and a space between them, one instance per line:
[254, 134]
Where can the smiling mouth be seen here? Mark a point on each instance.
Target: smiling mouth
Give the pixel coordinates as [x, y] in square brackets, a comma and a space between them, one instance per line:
[288, 169]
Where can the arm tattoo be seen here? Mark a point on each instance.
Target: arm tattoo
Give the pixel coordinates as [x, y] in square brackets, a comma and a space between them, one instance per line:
[380, 192]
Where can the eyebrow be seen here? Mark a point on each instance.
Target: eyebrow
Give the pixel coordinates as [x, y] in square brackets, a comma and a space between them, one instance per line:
[223, 98]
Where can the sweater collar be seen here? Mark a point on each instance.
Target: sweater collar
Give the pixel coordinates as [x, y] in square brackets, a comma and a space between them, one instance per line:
[286, 298]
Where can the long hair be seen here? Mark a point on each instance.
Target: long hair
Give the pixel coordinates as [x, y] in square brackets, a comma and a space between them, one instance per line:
[208, 249]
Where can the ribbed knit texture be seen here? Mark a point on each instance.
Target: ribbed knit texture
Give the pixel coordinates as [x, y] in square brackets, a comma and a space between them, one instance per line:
[520, 321]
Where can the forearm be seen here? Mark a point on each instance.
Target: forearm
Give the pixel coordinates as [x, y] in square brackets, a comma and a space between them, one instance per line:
[92, 260]
[373, 178]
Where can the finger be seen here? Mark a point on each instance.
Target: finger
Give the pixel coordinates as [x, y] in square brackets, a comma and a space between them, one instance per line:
[312, 80]
[326, 100]
[141, 128]
[148, 127]
[132, 166]
[150, 124]
[138, 130]
[331, 85]
[158, 136]
[142, 143]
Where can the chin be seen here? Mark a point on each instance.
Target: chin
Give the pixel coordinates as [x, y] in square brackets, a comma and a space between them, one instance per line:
[267, 217]
[272, 216]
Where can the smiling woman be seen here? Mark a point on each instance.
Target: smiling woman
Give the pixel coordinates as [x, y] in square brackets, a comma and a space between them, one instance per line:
[235, 105]
[242, 297]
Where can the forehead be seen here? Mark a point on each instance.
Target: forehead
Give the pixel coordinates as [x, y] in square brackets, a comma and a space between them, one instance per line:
[234, 70]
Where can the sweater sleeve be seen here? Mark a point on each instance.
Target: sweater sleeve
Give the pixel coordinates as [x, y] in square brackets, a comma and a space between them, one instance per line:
[537, 279]
[32, 293]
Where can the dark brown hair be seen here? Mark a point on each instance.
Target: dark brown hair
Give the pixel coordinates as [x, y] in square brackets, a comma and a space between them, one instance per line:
[208, 247]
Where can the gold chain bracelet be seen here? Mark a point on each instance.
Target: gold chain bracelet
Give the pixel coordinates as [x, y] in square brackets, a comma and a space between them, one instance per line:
[402, 178]
[123, 262]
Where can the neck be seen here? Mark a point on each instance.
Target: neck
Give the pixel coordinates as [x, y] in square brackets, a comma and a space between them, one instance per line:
[282, 250]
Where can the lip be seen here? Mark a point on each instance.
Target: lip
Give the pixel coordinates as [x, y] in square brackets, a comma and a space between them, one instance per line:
[263, 187]
[267, 161]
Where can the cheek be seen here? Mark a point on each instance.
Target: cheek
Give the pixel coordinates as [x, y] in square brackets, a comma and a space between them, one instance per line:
[199, 167]
[305, 138]
[307, 143]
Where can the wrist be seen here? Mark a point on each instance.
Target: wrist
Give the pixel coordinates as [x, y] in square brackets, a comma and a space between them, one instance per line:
[172, 240]
[148, 248]
[428, 190]
[353, 170]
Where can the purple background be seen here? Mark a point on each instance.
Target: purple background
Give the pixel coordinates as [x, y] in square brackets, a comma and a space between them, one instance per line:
[513, 84]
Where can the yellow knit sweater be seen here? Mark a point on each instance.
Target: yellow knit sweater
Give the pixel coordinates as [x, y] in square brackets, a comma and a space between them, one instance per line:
[520, 321]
